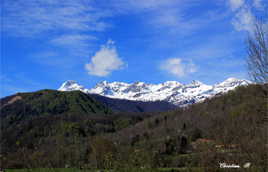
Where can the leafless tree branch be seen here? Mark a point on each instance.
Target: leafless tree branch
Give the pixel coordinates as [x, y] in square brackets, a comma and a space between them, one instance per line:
[257, 59]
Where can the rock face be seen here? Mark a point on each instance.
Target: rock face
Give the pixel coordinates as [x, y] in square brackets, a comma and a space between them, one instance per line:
[170, 91]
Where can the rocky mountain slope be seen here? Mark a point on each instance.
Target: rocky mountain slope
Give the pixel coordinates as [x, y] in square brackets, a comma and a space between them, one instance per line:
[170, 91]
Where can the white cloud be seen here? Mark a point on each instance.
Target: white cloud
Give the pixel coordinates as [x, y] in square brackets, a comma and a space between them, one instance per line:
[178, 67]
[104, 61]
[244, 20]
[235, 4]
[31, 17]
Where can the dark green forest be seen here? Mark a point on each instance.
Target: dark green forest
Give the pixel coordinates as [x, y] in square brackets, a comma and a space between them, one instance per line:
[52, 129]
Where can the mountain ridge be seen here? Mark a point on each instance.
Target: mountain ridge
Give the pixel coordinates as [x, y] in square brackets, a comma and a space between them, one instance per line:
[171, 91]
[50, 102]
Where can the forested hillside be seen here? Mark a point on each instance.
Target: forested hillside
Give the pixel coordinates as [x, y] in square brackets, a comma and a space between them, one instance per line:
[37, 125]
[230, 128]
[50, 102]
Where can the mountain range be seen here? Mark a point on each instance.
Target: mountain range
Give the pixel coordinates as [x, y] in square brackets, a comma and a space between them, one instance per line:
[170, 91]
[82, 126]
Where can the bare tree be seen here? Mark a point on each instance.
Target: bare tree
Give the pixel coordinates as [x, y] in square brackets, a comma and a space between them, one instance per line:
[257, 60]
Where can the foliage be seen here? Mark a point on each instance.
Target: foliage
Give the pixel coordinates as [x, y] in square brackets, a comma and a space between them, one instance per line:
[229, 128]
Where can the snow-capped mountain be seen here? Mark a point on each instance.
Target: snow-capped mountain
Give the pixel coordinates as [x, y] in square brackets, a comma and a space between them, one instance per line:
[71, 86]
[170, 91]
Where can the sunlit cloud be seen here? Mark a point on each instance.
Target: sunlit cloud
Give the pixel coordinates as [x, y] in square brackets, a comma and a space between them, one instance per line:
[105, 61]
[178, 67]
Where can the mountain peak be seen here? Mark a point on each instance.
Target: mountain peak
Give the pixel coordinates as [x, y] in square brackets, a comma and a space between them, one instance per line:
[172, 83]
[233, 82]
[69, 82]
[196, 83]
[102, 83]
[138, 83]
[232, 79]
[70, 85]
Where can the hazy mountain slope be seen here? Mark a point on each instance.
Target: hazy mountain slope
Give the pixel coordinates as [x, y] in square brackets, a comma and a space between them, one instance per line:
[122, 105]
[170, 91]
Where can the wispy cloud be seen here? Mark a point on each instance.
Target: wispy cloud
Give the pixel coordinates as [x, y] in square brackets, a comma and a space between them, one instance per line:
[176, 22]
[244, 18]
[77, 45]
[258, 4]
[104, 61]
[54, 59]
[31, 17]
[173, 22]
[169, 15]
[142, 5]
[66, 27]
[235, 4]
[73, 39]
[178, 67]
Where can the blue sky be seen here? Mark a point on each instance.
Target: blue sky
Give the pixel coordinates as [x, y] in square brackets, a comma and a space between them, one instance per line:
[46, 42]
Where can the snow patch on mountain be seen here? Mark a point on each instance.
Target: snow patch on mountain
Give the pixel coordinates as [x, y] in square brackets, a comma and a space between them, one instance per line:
[170, 91]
